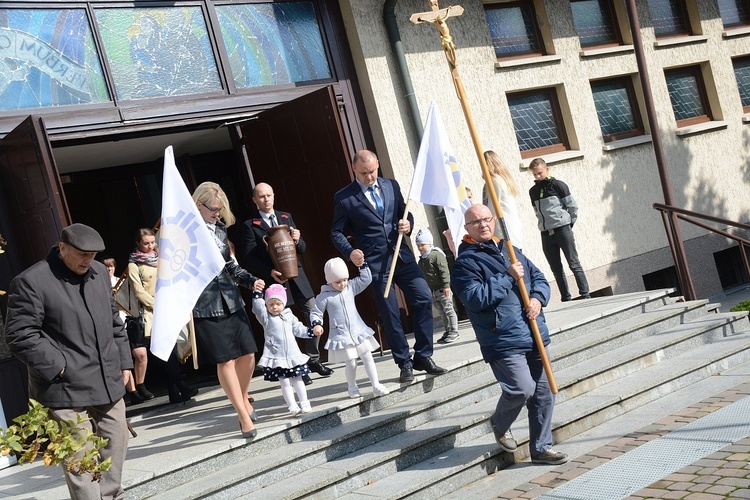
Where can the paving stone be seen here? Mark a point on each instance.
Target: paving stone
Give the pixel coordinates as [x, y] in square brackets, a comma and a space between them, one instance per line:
[744, 493]
[737, 482]
[680, 477]
[720, 489]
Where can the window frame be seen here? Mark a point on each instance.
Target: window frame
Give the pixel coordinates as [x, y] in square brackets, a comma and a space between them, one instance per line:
[558, 117]
[617, 41]
[684, 15]
[537, 32]
[697, 71]
[634, 108]
[745, 108]
[743, 23]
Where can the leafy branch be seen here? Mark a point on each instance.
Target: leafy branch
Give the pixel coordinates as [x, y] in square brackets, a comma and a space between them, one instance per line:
[60, 443]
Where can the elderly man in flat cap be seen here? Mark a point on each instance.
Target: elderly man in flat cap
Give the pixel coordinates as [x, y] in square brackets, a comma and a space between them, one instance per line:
[63, 323]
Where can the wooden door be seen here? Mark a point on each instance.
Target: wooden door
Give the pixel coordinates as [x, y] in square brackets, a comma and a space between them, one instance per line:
[33, 213]
[299, 148]
[33, 200]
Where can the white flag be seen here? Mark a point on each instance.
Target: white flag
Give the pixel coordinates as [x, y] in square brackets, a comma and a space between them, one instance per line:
[188, 260]
[437, 179]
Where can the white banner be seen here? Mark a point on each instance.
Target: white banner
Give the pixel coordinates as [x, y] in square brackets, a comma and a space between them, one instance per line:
[437, 178]
[188, 260]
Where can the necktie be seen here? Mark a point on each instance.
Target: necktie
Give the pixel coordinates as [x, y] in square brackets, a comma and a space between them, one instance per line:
[378, 201]
[272, 219]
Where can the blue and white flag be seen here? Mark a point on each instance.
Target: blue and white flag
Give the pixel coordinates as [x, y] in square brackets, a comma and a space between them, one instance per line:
[188, 260]
[437, 178]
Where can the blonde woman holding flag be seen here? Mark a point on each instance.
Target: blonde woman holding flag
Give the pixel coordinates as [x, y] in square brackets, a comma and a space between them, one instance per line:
[222, 328]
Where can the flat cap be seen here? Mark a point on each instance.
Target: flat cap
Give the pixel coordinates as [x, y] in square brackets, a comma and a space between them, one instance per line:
[82, 237]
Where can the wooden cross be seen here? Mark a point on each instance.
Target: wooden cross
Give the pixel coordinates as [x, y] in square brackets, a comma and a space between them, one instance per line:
[438, 16]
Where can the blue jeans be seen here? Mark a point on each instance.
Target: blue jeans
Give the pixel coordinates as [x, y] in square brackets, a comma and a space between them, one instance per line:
[562, 239]
[524, 382]
[410, 279]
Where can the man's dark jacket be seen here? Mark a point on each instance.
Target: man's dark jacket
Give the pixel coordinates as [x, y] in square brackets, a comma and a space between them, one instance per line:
[57, 319]
[257, 260]
[376, 236]
[481, 281]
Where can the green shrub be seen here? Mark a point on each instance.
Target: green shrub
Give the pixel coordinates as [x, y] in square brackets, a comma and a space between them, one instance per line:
[742, 306]
[58, 442]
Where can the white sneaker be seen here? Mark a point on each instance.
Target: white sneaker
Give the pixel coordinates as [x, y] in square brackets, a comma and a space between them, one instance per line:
[354, 392]
[305, 406]
[295, 410]
[380, 390]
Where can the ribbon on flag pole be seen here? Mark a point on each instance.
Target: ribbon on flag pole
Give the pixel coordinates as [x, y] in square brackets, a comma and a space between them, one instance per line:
[188, 260]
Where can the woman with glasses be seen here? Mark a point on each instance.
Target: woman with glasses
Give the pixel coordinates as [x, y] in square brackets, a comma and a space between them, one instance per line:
[222, 328]
[506, 190]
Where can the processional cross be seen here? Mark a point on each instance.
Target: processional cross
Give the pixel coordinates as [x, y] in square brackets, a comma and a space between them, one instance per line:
[438, 17]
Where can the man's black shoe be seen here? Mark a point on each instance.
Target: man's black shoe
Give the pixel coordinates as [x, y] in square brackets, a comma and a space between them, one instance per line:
[306, 379]
[407, 375]
[429, 366]
[318, 367]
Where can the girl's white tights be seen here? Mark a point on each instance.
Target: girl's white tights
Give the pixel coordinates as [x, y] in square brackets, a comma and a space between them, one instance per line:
[291, 385]
[350, 370]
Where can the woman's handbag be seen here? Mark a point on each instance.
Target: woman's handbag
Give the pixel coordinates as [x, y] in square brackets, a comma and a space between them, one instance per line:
[136, 328]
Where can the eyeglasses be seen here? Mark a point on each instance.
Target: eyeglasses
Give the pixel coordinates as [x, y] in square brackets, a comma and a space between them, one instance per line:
[212, 210]
[486, 221]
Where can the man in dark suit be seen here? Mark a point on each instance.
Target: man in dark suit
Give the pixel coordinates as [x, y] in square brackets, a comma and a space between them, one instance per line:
[369, 209]
[257, 260]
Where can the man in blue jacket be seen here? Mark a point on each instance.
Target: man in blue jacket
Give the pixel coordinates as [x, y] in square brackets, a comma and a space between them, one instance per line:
[485, 282]
[369, 209]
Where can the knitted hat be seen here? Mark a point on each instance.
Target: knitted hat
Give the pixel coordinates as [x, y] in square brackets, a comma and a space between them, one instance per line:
[424, 237]
[336, 269]
[276, 291]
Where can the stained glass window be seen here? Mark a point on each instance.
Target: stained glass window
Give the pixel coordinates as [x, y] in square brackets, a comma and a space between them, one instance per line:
[513, 29]
[537, 122]
[688, 95]
[742, 74]
[48, 58]
[668, 17]
[273, 43]
[158, 51]
[616, 108]
[734, 13]
[594, 22]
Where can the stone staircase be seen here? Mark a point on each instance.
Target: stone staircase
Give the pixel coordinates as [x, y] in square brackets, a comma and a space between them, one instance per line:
[427, 439]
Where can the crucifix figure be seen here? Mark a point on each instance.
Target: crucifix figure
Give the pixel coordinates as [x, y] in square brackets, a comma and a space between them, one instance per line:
[438, 16]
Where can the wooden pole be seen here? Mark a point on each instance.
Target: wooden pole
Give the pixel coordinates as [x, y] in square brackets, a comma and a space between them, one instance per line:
[193, 344]
[438, 18]
[395, 254]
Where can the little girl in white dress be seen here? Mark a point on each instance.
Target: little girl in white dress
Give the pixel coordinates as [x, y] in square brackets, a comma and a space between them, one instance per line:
[348, 336]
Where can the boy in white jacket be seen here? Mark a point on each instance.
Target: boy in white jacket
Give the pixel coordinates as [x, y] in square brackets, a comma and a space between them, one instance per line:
[348, 336]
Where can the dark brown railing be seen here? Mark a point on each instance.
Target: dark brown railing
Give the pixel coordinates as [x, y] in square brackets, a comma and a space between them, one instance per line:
[683, 274]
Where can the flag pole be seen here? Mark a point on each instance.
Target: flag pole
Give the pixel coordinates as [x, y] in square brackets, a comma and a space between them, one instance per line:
[438, 18]
[193, 343]
[398, 247]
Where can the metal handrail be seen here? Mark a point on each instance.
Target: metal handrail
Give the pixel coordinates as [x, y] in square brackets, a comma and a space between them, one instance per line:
[687, 216]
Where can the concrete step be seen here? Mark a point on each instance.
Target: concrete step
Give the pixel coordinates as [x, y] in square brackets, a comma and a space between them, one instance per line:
[438, 421]
[456, 445]
[576, 349]
[577, 317]
[472, 460]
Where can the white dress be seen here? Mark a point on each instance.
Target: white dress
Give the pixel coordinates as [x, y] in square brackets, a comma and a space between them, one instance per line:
[348, 334]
